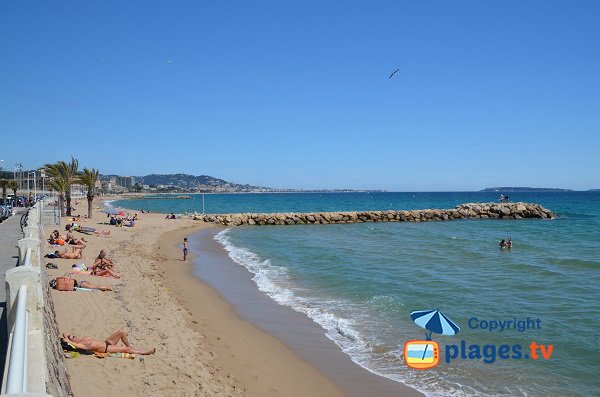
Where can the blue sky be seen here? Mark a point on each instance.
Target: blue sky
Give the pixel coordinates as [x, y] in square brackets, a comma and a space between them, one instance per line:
[297, 94]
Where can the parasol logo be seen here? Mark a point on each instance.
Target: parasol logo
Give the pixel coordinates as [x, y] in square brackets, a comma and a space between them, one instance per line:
[425, 354]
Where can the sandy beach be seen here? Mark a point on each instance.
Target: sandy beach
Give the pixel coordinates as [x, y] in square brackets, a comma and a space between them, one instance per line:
[203, 346]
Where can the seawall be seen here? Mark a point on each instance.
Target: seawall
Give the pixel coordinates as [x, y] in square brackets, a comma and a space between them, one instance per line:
[517, 210]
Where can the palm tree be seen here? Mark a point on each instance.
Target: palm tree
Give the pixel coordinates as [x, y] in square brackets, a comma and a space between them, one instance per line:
[63, 175]
[4, 186]
[59, 185]
[88, 178]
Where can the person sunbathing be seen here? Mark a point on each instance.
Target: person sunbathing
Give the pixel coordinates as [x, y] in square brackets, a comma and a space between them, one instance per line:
[106, 346]
[88, 285]
[103, 266]
[94, 271]
[85, 284]
[105, 273]
[55, 238]
[76, 253]
[102, 261]
[70, 239]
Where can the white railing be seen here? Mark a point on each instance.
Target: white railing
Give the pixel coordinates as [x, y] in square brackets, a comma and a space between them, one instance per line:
[16, 379]
[25, 369]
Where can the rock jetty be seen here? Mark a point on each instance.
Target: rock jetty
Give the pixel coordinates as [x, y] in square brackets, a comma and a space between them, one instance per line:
[463, 211]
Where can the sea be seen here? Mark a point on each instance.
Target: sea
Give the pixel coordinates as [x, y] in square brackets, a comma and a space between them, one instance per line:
[360, 282]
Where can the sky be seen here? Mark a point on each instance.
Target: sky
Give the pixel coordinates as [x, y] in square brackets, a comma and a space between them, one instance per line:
[297, 95]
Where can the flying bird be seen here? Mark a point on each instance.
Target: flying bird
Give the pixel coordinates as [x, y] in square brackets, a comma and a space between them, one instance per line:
[393, 73]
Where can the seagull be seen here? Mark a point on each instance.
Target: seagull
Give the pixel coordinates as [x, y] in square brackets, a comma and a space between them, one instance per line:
[393, 73]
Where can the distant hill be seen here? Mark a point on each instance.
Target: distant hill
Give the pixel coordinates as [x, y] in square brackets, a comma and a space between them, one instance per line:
[512, 189]
[594, 190]
[200, 182]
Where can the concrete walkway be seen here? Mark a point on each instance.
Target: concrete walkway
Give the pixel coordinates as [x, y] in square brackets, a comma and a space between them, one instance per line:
[10, 233]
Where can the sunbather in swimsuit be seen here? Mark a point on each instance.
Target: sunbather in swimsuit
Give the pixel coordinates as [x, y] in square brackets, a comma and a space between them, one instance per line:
[107, 346]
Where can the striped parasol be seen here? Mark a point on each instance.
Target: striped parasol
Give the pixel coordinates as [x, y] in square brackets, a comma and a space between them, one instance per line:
[434, 321]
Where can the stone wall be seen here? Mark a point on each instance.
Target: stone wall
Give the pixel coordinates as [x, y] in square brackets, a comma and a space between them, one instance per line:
[463, 211]
[58, 384]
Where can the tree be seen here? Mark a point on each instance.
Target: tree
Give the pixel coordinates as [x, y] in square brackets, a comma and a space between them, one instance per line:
[137, 188]
[63, 175]
[88, 178]
[59, 185]
[14, 186]
[4, 185]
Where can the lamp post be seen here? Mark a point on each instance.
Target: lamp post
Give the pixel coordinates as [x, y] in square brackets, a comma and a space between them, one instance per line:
[19, 167]
[43, 175]
[34, 185]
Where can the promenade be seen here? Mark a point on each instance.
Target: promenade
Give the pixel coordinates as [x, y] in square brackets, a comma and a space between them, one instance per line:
[10, 233]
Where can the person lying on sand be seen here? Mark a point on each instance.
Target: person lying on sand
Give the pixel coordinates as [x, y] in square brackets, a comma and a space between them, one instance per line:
[75, 253]
[85, 284]
[106, 346]
[89, 285]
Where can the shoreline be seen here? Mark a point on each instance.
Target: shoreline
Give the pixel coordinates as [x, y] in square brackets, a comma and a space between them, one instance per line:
[259, 361]
[305, 338]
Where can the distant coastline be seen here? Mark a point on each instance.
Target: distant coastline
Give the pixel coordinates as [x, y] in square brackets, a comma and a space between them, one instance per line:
[520, 189]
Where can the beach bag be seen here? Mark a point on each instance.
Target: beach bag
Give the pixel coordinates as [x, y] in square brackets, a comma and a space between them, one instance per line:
[65, 283]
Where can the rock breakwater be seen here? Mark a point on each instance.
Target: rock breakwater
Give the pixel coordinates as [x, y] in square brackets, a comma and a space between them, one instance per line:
[517, 210]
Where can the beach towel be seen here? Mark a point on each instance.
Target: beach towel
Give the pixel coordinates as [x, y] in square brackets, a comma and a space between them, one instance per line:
[131, 356]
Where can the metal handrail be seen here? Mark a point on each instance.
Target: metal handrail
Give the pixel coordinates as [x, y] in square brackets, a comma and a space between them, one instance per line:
[16, 377]
[16, 381]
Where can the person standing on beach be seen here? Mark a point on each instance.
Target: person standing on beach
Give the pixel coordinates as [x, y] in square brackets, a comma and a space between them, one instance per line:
[185, 249]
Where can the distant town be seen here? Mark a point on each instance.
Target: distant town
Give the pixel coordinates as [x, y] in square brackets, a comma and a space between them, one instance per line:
[186, 183]
[30, 180]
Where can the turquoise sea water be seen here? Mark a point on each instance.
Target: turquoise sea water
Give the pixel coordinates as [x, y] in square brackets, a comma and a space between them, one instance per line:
[361, 281]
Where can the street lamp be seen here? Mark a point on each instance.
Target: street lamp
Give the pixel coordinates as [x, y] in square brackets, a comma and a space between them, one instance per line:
[19, 167]
[43, 175]
[34, 185]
